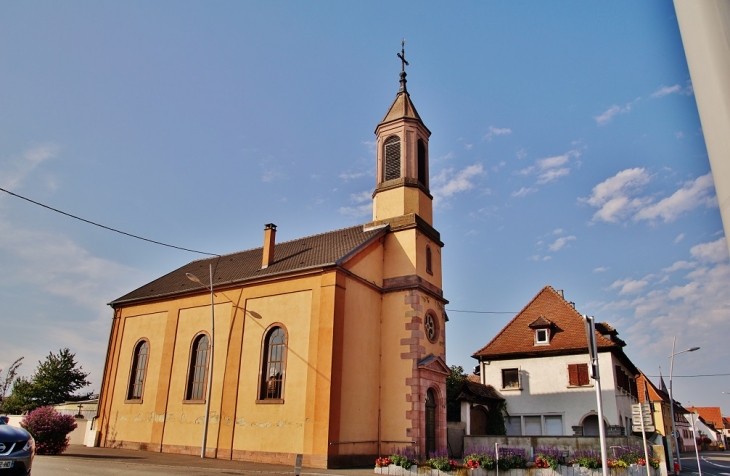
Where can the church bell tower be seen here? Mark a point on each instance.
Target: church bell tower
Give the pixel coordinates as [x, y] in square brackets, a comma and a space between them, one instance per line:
[402, 160]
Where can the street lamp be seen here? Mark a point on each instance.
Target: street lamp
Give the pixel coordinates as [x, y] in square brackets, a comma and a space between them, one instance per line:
[195, 279]
[671, 398]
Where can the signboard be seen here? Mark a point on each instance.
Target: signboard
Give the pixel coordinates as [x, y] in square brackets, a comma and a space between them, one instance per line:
[641, 413]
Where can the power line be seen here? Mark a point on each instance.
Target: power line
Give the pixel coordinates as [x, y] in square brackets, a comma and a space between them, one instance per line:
[106, 227]
[482, 312]
[692, 376]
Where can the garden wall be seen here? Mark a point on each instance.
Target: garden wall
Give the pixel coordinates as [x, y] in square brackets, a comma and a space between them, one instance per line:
[563, 443]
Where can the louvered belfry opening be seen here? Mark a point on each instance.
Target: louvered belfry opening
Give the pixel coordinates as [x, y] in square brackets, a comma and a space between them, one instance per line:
[392, 158]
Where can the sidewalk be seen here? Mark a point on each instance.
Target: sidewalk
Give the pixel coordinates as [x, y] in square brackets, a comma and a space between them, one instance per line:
[166, 459]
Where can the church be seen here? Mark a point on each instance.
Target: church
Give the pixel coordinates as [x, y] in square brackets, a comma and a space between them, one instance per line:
[330, 346]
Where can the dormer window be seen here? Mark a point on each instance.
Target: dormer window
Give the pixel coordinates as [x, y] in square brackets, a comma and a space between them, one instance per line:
[543, 330]
[542, 336]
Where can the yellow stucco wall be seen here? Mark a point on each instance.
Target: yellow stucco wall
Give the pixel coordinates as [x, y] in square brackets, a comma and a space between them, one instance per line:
[261, 426]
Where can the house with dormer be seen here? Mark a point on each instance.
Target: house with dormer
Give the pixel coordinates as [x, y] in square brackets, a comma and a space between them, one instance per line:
[539, 364]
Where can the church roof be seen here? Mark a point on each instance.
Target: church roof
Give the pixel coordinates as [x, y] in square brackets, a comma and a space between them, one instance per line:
[317, 251]
[402, 108]
[568, 335]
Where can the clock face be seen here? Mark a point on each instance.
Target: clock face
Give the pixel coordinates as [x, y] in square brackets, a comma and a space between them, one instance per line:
[429, 324]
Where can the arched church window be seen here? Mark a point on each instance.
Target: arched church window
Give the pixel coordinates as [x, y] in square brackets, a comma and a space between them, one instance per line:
[138, 371]
[429, 268]
[274, 365]
[422, 162]
[392, 158]
[198, 369]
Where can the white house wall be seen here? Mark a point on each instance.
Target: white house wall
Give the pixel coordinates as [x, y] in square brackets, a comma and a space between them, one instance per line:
[545, 390]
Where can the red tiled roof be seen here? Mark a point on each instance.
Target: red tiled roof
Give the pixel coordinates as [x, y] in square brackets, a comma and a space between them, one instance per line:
[711, 415]
[655, 395]
[325, 249]
[568, 334]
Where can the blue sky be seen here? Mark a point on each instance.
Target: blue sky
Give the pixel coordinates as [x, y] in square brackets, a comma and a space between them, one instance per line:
[566, 151]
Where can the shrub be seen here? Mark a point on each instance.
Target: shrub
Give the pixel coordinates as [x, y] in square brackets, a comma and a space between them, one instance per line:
[480, 456]
[587, 458]
[511, 458]
[49, 429]
[548, 456]
[403, 457]
[382, 462]
[439, 459]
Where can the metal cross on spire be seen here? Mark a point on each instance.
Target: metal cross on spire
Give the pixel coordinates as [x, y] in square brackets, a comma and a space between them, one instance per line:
[403, 64]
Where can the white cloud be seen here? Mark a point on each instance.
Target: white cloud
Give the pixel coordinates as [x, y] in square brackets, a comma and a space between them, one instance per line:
[524, 191]
[679, 238]
[601, 269]
[449, 182]
[552, 175]
[606, 116]
[26, 164]
[521, 154]
[613, 198]
[679, 265]
[560, 243]
[351, 176]
[713, 252]
[693, 194]
[358, 211]
[360, 197]
[497, 131]
[551, 168]
[665, 90]
[629, 286]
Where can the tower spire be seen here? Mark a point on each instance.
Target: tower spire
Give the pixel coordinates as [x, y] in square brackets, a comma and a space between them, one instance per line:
[403, 64]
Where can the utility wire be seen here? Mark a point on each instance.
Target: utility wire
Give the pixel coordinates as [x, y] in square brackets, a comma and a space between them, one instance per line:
[691, 376]
[106, 227]
[482, 312]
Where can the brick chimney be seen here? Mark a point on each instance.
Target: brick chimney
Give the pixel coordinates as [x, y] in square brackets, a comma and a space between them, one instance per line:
[269, 241]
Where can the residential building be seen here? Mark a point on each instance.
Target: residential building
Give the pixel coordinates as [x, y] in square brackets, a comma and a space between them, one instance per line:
[539, 363]
[330, 346]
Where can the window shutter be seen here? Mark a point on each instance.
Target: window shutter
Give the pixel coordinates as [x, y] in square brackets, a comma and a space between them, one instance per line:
[583, 374]
[573, 375]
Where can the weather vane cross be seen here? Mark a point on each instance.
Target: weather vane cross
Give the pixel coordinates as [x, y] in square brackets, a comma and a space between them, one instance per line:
[402, 55]
[403, 64]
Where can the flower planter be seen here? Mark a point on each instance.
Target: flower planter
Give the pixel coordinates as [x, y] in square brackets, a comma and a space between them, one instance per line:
[634, 470]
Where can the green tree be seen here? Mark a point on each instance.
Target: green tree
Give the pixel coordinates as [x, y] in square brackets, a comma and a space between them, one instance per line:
[55, 380]
[454, 381]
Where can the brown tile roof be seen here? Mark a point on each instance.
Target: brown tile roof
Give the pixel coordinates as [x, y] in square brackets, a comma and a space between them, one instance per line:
[568, 335]
[711, 415]
[478, 392]
[655, 395]
[474, 378]
[402, 108]
[317, 251]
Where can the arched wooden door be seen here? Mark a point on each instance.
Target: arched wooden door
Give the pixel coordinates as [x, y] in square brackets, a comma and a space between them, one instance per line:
[430, 422]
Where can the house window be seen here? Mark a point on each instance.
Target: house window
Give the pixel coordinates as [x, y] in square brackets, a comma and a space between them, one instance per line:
[198, 369]
[542, 336]
[429, 269]
[421, 162]
[274, 365]
[510, 378]
[139, 370]
[578, 375]
[534, 425]
[392, 158]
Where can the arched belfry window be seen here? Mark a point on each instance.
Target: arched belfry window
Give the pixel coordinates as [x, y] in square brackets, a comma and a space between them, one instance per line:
[138, 371]
[198, 370]
[392, 158]
[422, 172]
[273, 364]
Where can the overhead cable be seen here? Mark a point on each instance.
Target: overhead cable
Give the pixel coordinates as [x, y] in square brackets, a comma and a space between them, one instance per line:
[106, 227]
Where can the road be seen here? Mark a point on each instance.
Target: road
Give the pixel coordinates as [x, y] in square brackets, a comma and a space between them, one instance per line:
[713, 463]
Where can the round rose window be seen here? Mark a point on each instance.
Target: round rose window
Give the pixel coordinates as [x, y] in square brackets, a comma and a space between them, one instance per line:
[430, 327]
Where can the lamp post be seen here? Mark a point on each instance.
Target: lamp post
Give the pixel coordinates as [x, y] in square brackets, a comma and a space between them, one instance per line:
[195, 279]
[671, 397]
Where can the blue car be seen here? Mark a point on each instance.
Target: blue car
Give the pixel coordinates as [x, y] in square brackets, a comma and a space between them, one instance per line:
[17, 449]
